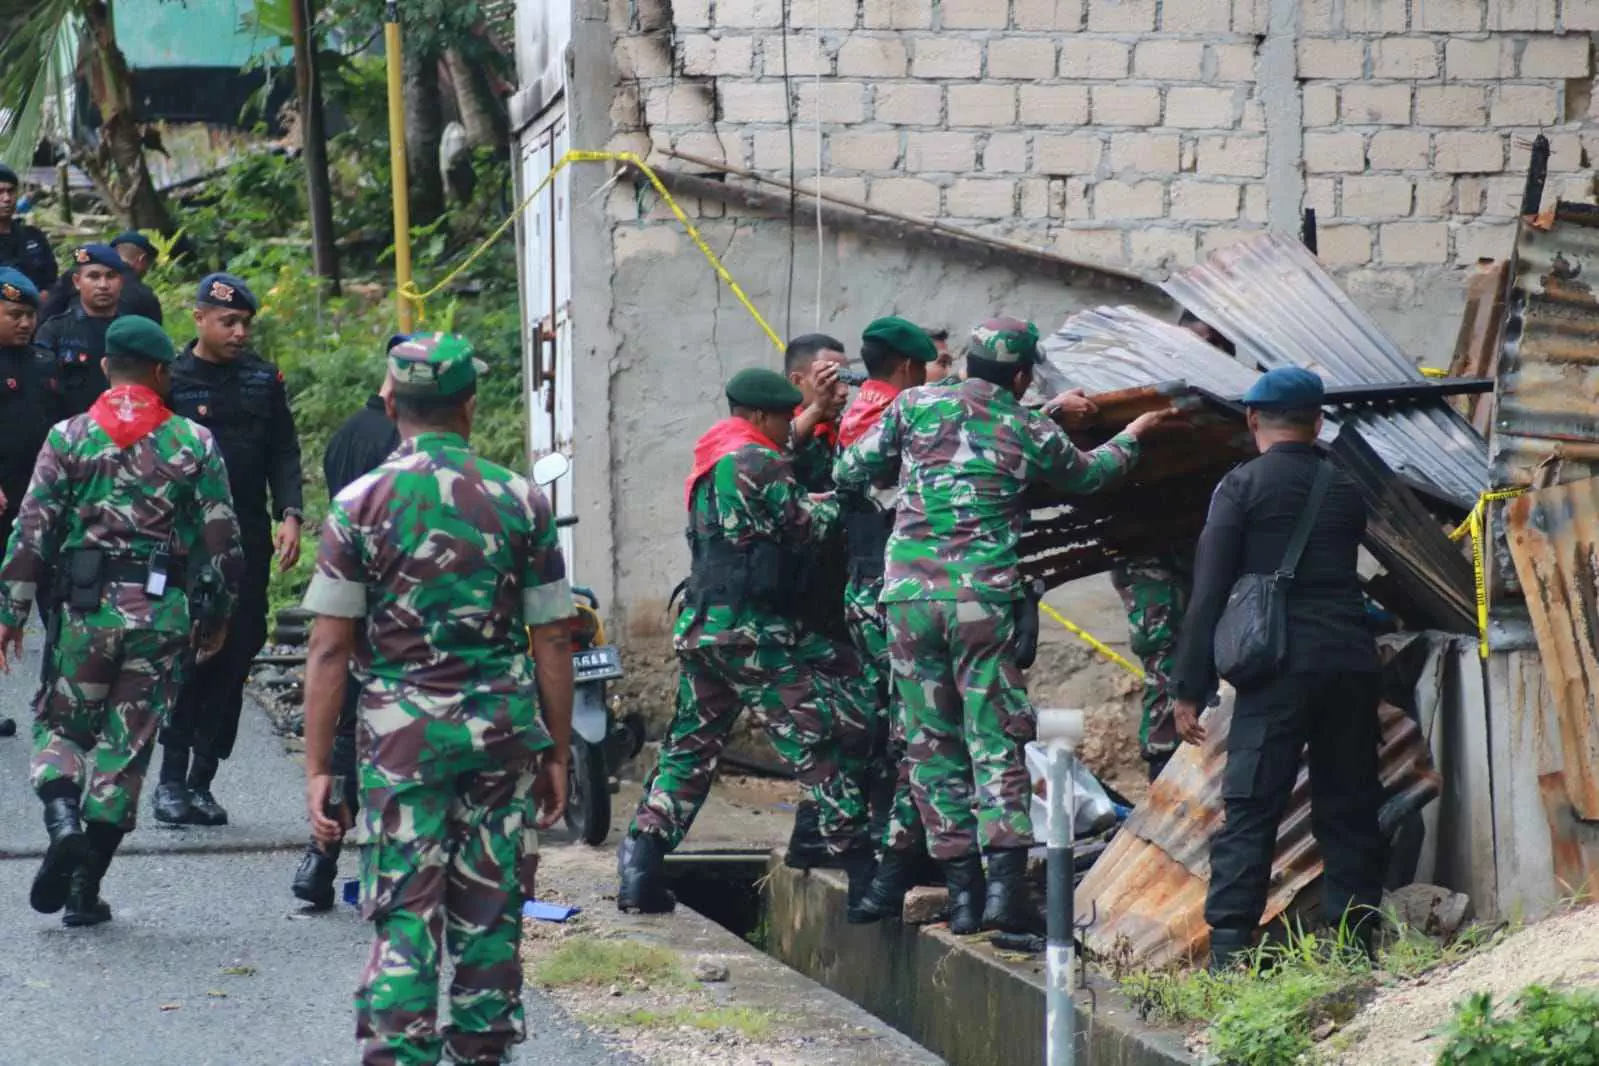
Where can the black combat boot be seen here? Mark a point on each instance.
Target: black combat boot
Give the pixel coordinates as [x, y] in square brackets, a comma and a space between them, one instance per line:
[964, 876]
[8, 727]
[641, 862]
[859, 865]
[1229, 948]
[67, 851]
[805, 848]
[84, 905]
[203, 807]
[171, 803]
[313, 881]
[886, 896]
[1009, 908]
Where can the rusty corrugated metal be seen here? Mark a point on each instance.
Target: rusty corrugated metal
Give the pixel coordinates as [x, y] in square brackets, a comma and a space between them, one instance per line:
[1146, 893]
[1554, 540]
[1275, 302]
[1477, 344]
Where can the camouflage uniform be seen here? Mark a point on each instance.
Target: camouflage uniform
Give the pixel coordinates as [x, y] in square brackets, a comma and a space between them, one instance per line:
[952, 589]
[806, 691]
[1155, 592]
[448, 557]
[114, 671]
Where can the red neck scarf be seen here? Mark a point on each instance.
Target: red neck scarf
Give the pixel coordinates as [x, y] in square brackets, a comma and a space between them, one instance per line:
[718, 442]
[129, 413]
[824, 431]
[866, 411]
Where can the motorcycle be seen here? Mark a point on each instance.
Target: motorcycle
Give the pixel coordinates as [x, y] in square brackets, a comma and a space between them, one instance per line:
[600, 743]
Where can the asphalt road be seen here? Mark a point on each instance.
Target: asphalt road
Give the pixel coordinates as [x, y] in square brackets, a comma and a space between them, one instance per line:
[209, 960]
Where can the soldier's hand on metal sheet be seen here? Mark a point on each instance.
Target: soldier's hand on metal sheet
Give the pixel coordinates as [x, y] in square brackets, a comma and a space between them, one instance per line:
[288, 543]
[318, 789]
[10, 646]
[1071, 408]
[549, 787]
[1186, 712]
[1142, 425]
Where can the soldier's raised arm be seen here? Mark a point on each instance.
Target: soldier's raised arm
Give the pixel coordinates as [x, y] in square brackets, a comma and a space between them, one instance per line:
[874, 460]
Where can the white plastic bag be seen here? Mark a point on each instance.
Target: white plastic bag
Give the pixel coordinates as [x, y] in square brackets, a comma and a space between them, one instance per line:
[1094, 810]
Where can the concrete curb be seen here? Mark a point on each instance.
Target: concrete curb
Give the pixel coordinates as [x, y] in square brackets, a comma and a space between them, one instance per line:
[956, 998]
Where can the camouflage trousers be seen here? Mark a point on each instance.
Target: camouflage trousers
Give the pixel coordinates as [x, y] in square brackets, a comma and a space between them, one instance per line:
[1155, 593]
[445, 864]
[813, 703]
[968, 719]
[103, 697]
[868, 629]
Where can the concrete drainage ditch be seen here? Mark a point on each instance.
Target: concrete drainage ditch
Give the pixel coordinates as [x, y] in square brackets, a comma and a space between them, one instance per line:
[958, 999]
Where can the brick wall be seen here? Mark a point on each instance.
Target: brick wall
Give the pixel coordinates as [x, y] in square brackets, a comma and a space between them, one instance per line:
[1132, 132]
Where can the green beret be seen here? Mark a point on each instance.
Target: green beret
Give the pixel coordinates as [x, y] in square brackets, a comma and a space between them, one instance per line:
[437, 365]
[763, 390]
[139, 338]
[905, 337]
[1005, 340]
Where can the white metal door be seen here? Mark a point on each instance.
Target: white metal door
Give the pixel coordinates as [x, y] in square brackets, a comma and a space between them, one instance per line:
[546, 281]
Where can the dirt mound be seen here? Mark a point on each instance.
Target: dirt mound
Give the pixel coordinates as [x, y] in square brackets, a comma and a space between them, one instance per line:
[1397, 1028]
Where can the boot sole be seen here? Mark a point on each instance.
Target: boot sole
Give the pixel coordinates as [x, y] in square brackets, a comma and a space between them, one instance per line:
[639, 907]
[52, 883]
[169, 818]
[315, 901]
[83, 921]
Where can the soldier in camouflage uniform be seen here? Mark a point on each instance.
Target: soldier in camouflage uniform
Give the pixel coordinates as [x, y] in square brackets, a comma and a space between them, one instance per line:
[127, 502]
[440, 562]
[898, 355]
[812, 363]
[1155, 593]
[739, 646]
[963, 459]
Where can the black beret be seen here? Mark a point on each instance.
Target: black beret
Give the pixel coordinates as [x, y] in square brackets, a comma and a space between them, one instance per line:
[226, 290]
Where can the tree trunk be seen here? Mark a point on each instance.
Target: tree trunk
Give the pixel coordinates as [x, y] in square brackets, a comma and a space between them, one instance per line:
[314, 143]
[119, 157]
[424, 130]
[482, 113]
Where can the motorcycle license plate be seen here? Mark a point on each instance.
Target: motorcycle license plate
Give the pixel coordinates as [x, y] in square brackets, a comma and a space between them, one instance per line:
[597, 664]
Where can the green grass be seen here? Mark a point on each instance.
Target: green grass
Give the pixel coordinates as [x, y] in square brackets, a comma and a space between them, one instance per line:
[1544, 1029]
[597, 963]
[749, 1022]
[1268, 1011]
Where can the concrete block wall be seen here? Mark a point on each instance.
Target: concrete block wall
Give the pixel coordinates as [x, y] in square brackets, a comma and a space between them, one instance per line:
[1133, 132]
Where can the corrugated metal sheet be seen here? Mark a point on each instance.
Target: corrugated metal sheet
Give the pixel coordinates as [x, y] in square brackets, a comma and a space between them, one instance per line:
[1274, 301]
[1145, 895]
[1554, 540]
[1111, 348]
[1548, 395]
[1477, 344]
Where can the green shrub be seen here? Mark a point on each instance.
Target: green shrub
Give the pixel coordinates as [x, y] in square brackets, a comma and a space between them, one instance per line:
[1547, 1029]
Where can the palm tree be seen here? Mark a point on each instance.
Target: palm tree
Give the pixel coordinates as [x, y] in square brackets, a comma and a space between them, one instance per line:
[47, 44]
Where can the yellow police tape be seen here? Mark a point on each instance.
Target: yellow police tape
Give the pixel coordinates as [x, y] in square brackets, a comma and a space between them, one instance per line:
[1433, 372]
[418, 298]
[1092, 641]
[1475, 524]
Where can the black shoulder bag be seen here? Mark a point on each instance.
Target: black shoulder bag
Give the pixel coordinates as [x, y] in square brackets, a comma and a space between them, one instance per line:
[1251, 642]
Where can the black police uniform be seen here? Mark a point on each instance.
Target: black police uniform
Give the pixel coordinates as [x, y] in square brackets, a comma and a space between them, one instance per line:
[30, 403]
[137, 299]
[1326, 698]
[77, 341]
[244, 405]
[27, 249]
[358, 447]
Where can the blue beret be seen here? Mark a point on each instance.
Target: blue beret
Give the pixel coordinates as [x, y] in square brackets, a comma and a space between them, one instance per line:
[17, 288]
[98, 254]
[8, 176]
[1287, 388]
[226, 290]
[137, 239]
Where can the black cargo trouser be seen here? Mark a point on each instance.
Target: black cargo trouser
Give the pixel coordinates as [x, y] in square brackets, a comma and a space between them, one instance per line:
[1335, 714]
[206, 716]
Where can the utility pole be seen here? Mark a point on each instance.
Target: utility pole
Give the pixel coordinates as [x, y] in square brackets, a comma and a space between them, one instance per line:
[314, 143]
[397, 173]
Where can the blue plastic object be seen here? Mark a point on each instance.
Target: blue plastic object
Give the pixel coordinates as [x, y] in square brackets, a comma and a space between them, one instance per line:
[548, 912]
[352, 892]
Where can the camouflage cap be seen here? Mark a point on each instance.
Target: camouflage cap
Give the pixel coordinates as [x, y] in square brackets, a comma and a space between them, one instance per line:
[1004, 340]
[763, 390]
[17, 288]
[136, 336]
[904, 336]
[434, 365]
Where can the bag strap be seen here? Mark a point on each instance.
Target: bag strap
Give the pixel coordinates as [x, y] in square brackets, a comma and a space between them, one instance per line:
[1307, 518]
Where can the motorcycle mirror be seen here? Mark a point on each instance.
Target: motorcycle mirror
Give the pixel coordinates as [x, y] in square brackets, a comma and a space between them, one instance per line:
[550, 468]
